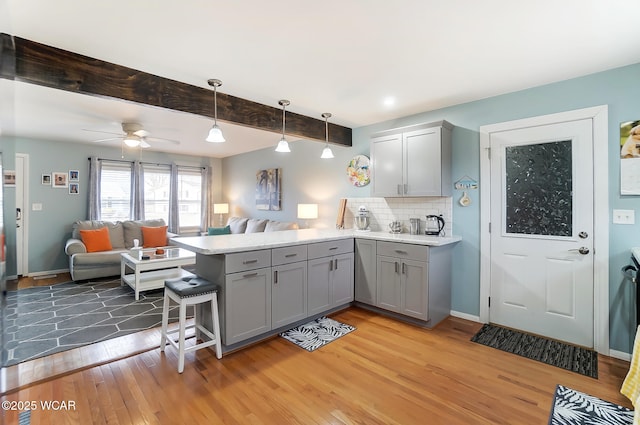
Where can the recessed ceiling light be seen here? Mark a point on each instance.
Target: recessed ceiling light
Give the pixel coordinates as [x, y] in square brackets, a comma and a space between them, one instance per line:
[389, 101]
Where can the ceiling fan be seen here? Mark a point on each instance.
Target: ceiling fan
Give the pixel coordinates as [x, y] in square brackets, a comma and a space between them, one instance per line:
[134, 136]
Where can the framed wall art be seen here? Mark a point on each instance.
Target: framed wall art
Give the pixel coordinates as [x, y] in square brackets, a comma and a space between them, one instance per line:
[630, 158]
[9, 178]
[74, 189]
[46, 179]
[60, 180]
[74, 175]
[268, 192]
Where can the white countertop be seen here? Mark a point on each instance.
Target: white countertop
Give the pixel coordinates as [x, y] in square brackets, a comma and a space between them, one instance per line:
[225, 244]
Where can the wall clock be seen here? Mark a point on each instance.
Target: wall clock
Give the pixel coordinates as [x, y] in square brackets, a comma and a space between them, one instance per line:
[358, 170]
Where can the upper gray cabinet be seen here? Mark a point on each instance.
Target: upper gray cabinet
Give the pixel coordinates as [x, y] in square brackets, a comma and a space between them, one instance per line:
[412, 161]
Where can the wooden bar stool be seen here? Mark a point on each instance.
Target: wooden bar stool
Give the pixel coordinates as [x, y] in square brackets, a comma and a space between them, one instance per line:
[191, 291]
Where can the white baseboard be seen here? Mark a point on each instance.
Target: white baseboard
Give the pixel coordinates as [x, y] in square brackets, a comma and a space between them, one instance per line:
[465, 316]
[620, 355]
[47, 272]
[14, 277]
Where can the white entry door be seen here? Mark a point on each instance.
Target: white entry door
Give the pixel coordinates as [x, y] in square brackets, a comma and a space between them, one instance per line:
[542, 262]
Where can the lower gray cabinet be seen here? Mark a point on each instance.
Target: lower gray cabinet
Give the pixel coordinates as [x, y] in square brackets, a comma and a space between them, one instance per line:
[403, 279]
[247, 304]
[288, 294]
[330, 275]
[365, 272]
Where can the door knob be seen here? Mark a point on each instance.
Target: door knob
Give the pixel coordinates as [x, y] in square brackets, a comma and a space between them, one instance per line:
[582, 250]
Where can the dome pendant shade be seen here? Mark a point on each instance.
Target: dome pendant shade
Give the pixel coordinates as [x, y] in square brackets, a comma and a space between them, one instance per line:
[327, 153]
[215, 135]
[283, 146]
[132, 140]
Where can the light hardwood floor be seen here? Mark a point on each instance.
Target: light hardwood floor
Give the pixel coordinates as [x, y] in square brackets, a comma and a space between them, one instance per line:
[385, 372]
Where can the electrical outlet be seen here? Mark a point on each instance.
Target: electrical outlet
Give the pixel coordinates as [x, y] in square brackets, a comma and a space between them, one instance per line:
[624, 216]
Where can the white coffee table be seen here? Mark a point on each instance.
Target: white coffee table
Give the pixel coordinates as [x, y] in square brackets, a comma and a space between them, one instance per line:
[151, 274]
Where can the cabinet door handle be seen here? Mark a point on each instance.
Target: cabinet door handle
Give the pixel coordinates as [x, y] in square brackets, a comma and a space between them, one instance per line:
[275, 277]
[290, 255]
[396, 263]
[249, 261]
[333, 248]
[403, 268]
[335, 262]
[406, 189]
[399, 189]
[399, 251]
[250, 275]
[330, 265]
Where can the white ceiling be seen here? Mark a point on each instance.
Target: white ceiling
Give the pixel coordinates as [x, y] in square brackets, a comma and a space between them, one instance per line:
[343, 57]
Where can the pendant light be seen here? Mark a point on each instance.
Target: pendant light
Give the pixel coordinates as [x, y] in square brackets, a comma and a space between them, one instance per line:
[215, 134]
[283, 145]
[326, 152]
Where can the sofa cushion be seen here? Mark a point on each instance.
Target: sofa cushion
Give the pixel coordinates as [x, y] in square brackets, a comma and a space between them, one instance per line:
[96, 240]
[212, 231]
[154, 236]
[98, 259]
[255, 225]
[274, 226]
[132, 229]
[237, 224]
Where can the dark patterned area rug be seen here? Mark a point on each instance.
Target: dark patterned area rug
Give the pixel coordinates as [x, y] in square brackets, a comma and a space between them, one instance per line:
[314, 335]
[555, 353]
[571, 407]
[44, 320]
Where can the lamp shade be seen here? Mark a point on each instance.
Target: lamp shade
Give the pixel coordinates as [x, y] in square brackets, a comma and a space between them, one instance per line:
[215, 135]
[220, 208]
[308, 211]
[132, 140]
[327, 153]
[283, 146]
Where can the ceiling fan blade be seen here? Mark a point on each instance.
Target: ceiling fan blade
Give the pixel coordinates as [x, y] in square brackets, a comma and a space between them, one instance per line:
[103, 132]
[144, 144]
[106, 140]
[161, 140]
[141, 133]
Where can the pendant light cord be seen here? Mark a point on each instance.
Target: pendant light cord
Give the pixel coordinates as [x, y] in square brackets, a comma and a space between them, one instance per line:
[284, 106]
[215, 104]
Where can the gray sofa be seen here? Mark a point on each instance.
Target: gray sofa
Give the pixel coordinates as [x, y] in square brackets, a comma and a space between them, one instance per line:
[90, 265]
[256, 225]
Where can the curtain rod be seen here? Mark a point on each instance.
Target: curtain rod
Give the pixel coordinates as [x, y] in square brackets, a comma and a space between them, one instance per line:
[147, 163]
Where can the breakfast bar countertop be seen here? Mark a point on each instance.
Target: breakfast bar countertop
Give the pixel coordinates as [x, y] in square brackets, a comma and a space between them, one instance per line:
[226, 244]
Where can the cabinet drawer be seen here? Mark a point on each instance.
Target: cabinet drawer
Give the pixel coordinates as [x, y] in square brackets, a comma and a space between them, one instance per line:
[403, 250]
[288, 254]
[326, 249]
[250, 260]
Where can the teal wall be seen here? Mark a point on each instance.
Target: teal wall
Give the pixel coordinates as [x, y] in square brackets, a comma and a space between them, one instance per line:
[302, 169]
[50, 228]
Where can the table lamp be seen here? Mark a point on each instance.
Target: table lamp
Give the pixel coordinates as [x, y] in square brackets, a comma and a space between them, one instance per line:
[221, 209]
[308, 212]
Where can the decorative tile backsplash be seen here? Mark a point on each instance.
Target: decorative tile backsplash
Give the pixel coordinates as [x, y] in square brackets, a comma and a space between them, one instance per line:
[383, 211]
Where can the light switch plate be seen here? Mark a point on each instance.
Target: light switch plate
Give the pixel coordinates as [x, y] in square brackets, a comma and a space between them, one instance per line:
[624, 216]
[36, 206]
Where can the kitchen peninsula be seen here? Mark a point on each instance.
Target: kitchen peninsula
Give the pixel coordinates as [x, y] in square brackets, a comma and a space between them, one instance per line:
[276, 280]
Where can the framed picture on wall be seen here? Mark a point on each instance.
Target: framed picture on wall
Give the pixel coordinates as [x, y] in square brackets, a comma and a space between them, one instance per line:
[46, 179]
[74, 188]
[74, 175]
[60, 179]
[268, 193]
[9, 178]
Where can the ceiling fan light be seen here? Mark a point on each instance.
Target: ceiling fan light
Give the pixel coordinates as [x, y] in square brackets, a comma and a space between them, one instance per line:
[215, 135]
[327, 153]
[283, 146]
[132, 140]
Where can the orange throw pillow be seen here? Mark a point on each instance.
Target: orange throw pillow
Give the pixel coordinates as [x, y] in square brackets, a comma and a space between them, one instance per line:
[96, 240]
[154, 236]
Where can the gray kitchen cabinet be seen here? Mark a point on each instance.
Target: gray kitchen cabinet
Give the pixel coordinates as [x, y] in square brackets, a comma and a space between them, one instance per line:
[330, 275]
[247, 304]
[412, 161]
[365, 271]
[403, 279]
[289, 287]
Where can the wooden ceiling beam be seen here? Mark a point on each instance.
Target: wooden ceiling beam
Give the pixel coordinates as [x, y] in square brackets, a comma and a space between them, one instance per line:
[35, 63]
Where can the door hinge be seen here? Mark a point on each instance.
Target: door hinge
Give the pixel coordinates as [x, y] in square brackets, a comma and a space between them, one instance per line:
[489, 153]
[489, 227]
[489, 302]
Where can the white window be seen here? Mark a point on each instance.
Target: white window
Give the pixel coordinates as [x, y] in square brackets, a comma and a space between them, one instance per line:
[157, 179]
[115, 191]
[190, 198]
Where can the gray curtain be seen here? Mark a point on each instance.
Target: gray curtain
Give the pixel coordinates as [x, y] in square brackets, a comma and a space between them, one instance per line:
[174, 223]
[94, 188]
[137, 191]
[204, 201]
